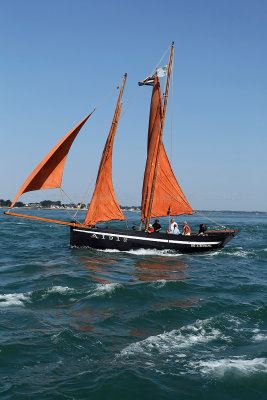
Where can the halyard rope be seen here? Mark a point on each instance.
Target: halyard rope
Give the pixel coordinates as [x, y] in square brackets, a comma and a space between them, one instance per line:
[212, 220]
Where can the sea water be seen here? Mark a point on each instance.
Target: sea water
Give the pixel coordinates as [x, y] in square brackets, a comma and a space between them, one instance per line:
[88, 324]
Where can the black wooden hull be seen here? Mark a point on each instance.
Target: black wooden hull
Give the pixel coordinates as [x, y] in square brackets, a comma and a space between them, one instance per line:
[125, 240]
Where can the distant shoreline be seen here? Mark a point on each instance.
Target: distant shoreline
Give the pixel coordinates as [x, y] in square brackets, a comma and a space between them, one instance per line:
[136, 210]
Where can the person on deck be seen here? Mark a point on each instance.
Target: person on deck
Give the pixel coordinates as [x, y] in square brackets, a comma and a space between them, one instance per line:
[202, 229]
[174, 227]
[156, 226]
[150, 229]
[186, 229]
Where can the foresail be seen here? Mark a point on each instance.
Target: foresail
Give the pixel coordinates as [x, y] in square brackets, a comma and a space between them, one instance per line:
[168, 193]
[48, 174]
[104, 205]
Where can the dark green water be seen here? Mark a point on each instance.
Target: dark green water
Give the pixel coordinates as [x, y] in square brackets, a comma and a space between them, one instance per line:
[86, 324]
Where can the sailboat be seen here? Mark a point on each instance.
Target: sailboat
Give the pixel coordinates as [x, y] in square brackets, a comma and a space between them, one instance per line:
[161, 193]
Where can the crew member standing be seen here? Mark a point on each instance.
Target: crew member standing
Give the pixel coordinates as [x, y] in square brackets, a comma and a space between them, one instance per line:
[156, 226]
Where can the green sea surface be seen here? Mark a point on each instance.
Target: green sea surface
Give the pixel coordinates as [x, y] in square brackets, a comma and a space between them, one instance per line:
[87, 324]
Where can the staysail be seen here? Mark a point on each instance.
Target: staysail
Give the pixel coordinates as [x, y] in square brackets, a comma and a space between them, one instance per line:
[161, 191]
[104, 205]
[48, 174]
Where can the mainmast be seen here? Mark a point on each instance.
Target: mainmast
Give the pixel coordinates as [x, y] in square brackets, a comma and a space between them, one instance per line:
[160, 139]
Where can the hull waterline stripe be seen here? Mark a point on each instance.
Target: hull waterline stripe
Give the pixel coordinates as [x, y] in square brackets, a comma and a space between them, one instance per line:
[147, 239]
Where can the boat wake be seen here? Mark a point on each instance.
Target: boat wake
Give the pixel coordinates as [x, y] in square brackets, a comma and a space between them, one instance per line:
[154, 252]
[145, 252]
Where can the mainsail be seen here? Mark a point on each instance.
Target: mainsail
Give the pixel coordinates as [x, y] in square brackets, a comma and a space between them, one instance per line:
[167, 191]
[161, 191]
[48, 174]
[104, 205]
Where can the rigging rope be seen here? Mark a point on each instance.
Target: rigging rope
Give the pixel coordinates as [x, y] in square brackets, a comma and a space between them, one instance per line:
[72, 217]
[106, 98]
[172, 106]
[86, 191]
[126, 222]
[211, 219]
[132, 101]
[139, 89]
[164, 54]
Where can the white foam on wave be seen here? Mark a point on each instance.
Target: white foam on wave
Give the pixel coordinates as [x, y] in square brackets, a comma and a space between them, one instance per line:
[238, 252]
[104, 289]
[60, 289]
[13, 299]
[109, 250]
[210, 254]
[234, 366]
[260, 337]
[154, 252]
[175, 340]
[243, 253]
[159, 283]
[57, 290]
[144, 252]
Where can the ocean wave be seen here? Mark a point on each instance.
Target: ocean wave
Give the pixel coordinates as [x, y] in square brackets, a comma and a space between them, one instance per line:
[185, 338]
[159, 283]
[260, 337]
[19, 299]
[242, 253]
[104, 289]
[228, 251]
[14, 299]
[61, 290]
[234, 366]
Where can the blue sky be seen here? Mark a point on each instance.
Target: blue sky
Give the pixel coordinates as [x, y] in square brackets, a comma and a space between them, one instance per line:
[61, 58]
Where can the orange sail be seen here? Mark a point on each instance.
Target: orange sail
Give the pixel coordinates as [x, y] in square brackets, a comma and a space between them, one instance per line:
[152, 145]
[167, 193]
[104, 205]
[48, 174]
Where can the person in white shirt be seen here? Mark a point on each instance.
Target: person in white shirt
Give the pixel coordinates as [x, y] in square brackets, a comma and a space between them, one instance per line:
[174, 227]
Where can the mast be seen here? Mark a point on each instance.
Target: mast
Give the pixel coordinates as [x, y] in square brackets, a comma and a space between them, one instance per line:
[113, 128]
[160, 138]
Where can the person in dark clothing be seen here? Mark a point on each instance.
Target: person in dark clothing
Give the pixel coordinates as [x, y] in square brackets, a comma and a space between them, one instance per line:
[156, 226]
[202, 229]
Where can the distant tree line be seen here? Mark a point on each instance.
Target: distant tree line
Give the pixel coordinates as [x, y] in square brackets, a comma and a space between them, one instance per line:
[130, 207]
[44, 203]
[5, 203]
[50, 203]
